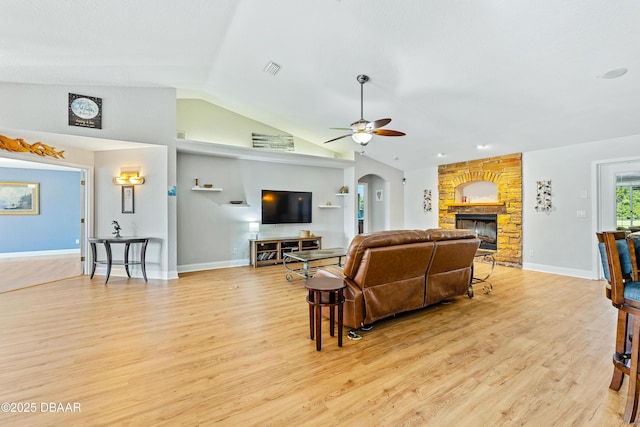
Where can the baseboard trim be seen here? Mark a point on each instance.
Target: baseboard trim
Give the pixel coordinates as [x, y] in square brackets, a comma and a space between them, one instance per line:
[40, 253]
[583, 274]
[188, 268]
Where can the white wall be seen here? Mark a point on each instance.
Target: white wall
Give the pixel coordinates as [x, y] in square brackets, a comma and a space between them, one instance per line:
[150, 202]
[393, 203]
[203, 121]
[559, 241]
[416, 182]
[131, 114]
[214, 234]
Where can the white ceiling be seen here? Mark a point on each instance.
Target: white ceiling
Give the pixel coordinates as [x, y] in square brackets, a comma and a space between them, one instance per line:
[517, 75]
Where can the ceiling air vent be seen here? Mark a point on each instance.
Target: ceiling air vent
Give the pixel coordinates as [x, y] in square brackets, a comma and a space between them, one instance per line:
[272, 68]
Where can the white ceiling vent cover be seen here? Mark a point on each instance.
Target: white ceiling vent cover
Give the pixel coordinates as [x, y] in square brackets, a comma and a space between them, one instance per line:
[272, 68]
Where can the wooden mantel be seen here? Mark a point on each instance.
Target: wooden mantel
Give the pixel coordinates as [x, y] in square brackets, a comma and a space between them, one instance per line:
[480, 204]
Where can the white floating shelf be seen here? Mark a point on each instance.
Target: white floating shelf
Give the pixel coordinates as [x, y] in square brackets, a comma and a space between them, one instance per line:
[329, 206]
[342, 194]
[237, 205]
[205, 189]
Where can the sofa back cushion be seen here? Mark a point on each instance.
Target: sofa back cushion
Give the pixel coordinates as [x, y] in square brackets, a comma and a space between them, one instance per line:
[392, 278]
[450, 272]
[362, 242]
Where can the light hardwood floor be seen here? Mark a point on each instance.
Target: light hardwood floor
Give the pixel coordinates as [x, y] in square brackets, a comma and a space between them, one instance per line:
[231, 347]
[28, 271]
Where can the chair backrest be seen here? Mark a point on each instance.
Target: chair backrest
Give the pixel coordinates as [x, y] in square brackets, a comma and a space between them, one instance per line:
[616, 279]
[623, 252]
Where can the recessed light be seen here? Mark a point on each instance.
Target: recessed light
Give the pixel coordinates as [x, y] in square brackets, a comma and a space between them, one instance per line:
[615, 73]
[441, 155]
[396, 158]
[482, 147]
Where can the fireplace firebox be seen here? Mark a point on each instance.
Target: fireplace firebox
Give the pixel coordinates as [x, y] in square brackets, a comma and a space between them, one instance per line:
[485, 226]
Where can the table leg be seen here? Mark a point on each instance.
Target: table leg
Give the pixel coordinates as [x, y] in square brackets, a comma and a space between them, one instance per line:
[318, 310]
[143, 255]
[93, 259]
[305, 269]
[107, 248]
[332, 316]
[311, 307]
[126, 259]
[340, 316]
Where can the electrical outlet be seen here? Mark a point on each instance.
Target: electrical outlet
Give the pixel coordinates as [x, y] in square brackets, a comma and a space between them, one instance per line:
[77, 241]
[581, 214]
[235, 251]
[532, 253]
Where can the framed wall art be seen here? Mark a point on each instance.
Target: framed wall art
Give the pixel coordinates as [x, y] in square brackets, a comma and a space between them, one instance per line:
[19, 198]
[85, 111]
[127, 199]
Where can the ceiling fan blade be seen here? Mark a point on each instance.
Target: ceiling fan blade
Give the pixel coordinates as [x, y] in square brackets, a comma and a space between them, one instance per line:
[387, 132]
[335, 139]
[382, 122]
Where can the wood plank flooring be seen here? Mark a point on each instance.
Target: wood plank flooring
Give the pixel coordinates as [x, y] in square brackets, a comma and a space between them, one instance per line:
[230, 347]
[22, 272]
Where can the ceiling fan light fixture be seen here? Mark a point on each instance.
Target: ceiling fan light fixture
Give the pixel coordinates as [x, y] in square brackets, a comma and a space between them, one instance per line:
[361, 137]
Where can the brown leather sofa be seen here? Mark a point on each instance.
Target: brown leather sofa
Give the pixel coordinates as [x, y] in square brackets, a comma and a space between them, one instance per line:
[390, 272]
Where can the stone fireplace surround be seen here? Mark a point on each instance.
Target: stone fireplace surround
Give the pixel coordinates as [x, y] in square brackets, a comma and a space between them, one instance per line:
[506, 173]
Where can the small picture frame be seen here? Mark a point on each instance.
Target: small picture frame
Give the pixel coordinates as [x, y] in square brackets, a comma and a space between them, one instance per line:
[379, 196]
[127, 199]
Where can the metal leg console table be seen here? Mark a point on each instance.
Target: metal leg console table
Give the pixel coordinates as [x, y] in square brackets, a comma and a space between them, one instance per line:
[127, 241]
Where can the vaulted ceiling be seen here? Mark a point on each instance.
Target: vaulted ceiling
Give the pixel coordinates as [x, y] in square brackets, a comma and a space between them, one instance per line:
[513, 75]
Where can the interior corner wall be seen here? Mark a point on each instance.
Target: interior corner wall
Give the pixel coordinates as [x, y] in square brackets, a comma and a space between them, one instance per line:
[559, 241]
[203, 121]
[129, 113]
[150, 201]
[132, 114]
[57, 226]
[213, 233]
[393, 191]
[417, 181]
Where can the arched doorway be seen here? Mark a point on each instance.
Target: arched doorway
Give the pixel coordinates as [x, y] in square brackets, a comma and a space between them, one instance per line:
[372, 203]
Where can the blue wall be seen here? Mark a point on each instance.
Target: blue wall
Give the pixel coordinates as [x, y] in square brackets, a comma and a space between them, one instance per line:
[57, 226]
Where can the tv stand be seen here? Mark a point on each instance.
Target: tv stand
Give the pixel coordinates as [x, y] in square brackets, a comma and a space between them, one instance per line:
[270, 251]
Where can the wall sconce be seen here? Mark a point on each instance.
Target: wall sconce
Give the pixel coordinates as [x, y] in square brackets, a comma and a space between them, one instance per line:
[129, 176]
[254, 227]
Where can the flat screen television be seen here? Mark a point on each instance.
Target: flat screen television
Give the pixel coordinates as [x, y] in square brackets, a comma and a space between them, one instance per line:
[286, 207]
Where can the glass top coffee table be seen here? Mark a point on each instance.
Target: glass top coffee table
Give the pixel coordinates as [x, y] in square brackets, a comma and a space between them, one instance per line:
[306, 257]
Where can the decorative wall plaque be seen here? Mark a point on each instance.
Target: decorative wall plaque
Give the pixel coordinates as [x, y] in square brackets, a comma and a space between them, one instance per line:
[85, 111]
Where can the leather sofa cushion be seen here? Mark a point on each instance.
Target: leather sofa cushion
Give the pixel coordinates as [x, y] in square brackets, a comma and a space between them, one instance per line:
[437, 234]
[362, 242]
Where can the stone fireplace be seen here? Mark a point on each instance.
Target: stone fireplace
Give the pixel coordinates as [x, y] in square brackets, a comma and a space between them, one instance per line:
[499, 180]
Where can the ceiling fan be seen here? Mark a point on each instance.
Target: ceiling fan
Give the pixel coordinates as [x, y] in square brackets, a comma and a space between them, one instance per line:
[363, 130]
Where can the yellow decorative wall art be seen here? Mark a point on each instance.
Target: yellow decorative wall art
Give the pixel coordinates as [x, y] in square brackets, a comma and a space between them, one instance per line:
[20, 145]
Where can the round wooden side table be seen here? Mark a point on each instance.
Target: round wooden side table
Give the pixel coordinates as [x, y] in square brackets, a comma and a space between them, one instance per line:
[325, 292]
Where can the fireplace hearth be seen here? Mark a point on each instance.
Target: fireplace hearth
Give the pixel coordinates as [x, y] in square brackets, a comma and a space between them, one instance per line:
[484, 225]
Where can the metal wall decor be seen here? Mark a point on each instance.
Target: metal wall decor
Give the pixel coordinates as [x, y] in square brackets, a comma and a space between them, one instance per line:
[543, 196]
[426, 202]
[273, 142]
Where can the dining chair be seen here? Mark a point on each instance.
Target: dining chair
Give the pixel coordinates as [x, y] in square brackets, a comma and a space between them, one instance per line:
[625, 296]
